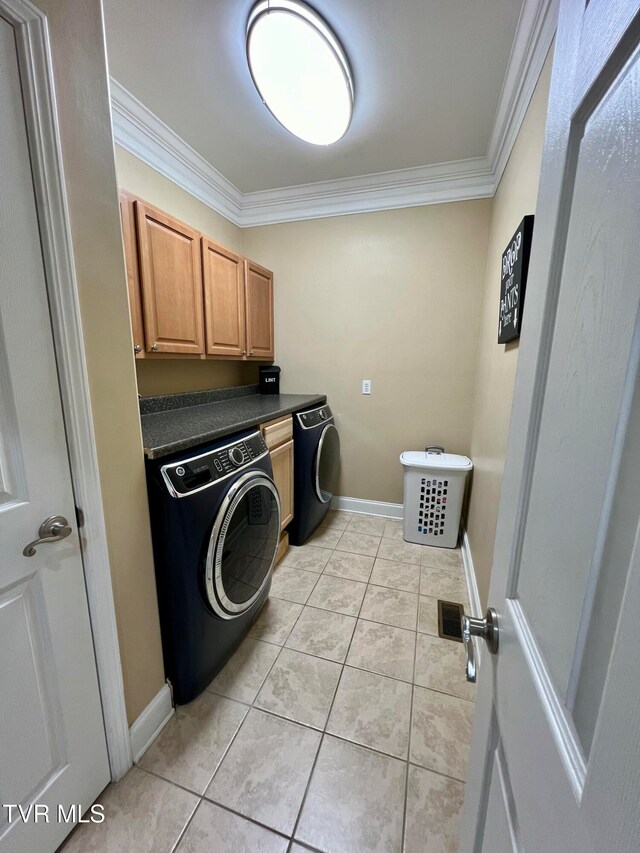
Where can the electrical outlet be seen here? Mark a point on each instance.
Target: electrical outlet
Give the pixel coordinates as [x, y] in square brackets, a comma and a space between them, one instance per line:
[366, 386]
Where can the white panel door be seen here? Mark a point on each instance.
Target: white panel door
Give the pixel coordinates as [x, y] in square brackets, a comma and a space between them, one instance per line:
[555, 763]
[52, 742]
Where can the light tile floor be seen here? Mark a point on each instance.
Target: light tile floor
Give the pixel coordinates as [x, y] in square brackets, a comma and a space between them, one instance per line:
[341, 724]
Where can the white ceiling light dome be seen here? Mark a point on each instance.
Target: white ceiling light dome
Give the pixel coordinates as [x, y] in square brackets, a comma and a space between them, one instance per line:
[300, 70]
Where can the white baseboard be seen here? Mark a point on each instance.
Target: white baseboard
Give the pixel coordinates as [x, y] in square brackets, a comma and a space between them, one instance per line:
[470, 575]
[150, 723]
[388, 510]
[472, 589]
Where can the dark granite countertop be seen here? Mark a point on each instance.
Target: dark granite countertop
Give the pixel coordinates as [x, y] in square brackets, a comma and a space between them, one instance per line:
[181, 421]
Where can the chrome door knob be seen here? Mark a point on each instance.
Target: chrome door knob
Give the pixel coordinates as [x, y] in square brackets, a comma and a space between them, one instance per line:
[52, 529]
[154, 348]
[137, 348]
[486, 628]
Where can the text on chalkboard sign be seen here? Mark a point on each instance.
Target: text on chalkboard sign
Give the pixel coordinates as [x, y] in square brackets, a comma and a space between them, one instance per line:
[513, 281]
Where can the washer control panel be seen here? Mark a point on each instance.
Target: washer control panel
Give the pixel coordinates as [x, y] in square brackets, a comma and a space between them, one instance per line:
[314, 418]
[198, 472]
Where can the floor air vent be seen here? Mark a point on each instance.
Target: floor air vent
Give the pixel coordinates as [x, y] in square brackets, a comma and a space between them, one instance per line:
[449, 616]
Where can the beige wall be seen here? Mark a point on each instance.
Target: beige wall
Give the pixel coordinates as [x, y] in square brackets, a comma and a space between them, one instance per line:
[170, 376]
[138, 178]
[166, 376]
[393, 297]
[85, 123]
[496, 364]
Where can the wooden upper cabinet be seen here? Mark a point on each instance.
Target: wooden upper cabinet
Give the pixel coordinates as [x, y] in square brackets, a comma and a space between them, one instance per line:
[171, 280]
[259, 311]
[191, 297]
[224, 303]
[131, 263]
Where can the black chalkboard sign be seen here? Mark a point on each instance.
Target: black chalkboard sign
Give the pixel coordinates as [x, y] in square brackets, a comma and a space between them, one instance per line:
[513, 281]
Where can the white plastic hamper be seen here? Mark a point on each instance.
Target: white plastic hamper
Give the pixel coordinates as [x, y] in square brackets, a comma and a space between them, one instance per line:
[433, 492]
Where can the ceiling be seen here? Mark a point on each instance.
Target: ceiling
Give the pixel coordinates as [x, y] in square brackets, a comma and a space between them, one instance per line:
[428, 77]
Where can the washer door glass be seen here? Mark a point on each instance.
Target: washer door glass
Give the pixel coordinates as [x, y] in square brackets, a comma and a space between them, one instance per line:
[243, 545]
[327, 463]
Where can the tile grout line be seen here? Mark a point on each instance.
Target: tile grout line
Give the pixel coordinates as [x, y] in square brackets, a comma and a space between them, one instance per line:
[282, 645]
[204, 799]
[252, 820]
[457, 574]
[324, 730]
[367, 583]
[389, 539]
[322, 736]
[364, 583]
[413, 683]
[279, 716]
[169, 781]
[353, 666]
[438, 772]
[406, 782]
[407, 761]
[182, 834]
[252, 706]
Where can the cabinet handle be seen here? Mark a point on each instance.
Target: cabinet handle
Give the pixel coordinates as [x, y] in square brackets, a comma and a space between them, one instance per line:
[251, 353]
[137, 348]
[154, 348]
[244, 352]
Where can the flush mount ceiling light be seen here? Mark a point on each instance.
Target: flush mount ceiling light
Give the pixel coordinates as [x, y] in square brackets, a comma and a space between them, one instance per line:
[300, 70]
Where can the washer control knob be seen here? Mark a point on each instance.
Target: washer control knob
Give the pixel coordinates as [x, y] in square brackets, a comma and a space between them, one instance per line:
[236, 456]
[323, 414]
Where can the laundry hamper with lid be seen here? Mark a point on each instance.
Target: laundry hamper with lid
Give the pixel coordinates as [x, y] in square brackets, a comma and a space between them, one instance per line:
[434, 484]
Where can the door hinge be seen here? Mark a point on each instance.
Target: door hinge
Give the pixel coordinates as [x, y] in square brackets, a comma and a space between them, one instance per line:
[79, 517]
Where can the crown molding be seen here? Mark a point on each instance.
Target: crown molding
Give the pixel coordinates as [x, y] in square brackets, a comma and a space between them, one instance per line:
[534, 35]
[435, 184]
[141, 132]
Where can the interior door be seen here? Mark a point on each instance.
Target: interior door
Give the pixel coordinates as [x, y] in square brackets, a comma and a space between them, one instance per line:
[52, 742]
[555, 760]
[259, 308]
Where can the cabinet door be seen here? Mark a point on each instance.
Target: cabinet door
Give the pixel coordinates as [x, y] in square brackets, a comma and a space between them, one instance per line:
[133, 277]
[282, 464]
[224, 313]
[170, 271]
[259, 311]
